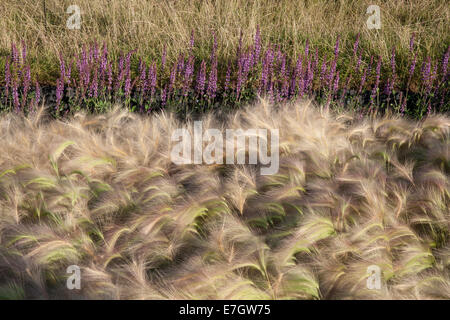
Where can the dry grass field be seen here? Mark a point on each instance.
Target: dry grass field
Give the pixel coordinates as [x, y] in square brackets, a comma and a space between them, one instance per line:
[100, 192]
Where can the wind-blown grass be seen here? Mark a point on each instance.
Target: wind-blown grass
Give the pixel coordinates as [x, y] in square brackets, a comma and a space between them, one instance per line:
[101, 192]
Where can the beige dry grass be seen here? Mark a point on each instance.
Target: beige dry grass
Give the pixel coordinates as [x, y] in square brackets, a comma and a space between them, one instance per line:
[101, 192]
[149, 25]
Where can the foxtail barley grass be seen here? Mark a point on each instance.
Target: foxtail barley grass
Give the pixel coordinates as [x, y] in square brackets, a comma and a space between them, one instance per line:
[101, 192]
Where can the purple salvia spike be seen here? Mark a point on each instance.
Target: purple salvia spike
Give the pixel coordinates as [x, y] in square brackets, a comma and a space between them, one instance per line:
[59, 92]
[426, 72]
[26, 85]
[363, 81]
[188, 72]
[201, 79]
[336, 83]
[212, 81]
[445, 64]
[37, 94]
[153, 80]
[62, 67]
[15, 93]
[110, 77]
[403, 106]
[164, 96]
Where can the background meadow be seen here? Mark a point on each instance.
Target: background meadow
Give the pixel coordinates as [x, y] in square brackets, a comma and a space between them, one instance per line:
[226, 53]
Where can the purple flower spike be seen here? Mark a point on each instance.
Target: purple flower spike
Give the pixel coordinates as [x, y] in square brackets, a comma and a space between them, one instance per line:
[445, 63]
[212, 81]
[59, 92]
[26, 85]
[336, 83]
[201, 79]
[15, 93]
[37, 93]
[363, 81]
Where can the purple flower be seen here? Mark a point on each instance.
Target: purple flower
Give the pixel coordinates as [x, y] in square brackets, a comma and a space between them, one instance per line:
[403, 103]
[201, 79]
[62, 66]
[188, 72]
[26, 85]
[128, 74]
[110, 77]
[15, 93]
[153, 79]
[212, 81]
[59, 91]
[445, 63]
[336, 83]
[426, 72]
[336, 48]
[363, 81]
[180, 65]
[164, 96]
[37, 93]
[393, 60]
[331, 73]
[15, 55]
